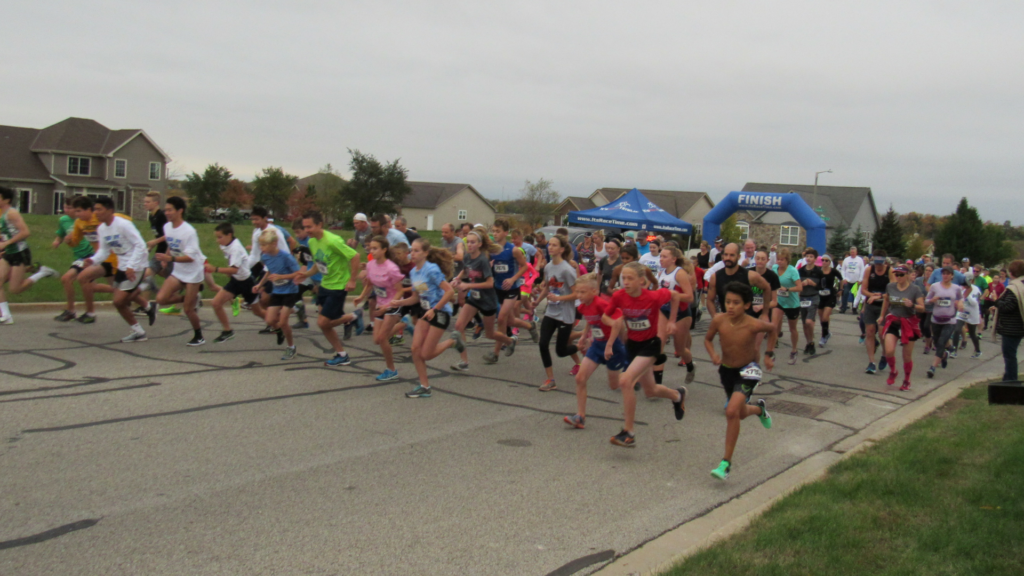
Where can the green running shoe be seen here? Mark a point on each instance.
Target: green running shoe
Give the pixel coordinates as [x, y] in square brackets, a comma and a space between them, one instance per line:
[171, 310]
[722, 472]
[766, 418]
[236, 306]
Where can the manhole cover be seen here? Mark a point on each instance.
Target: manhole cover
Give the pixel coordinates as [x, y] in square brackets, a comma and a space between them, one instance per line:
[795, 408]
[822, 393]
[515, 442]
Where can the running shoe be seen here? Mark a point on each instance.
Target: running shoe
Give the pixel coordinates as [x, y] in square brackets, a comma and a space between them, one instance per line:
[408, 324]
[171, 310]
[574, 370]
[963, 345]
[236, 306]
[906, 386]
[224, 337]
[624, 439]
[151, 313]
[927, 349]
[46, 271]
[511, 348]
[300, 310]
[460, 344]
[300, 325]
[945, 359]
[197, 341]
[861, 341]
[267, 330]
[824, 340]
[722, 472]
[547, 386]
[576, 421]
[139, 310]
[811, 349]
[534, 331]
[387, 376]
[792, 357]
[679, 407]
[891, 379]
[369, 329]
[289, 353]
[65, 316]
[766, 418]
[952, 354]
[280, 338]
[135, 337]
[396, 340]
[871, 368]
[691, 373]
[83, 319]
[347, 331]
[338, 360]
[976, 355]
[419, 392]
[883, 363]
[460, 367]
[808, 348]
[477, 332]
[490, 358]
[931, 372]
[360, 326]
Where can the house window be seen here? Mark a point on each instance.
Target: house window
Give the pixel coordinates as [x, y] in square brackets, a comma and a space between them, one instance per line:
[119, 201]
[790, 236]
[744, 230]
[78, 165]
[58, 201]
[120, 168]
[463, 215]
[154, 170]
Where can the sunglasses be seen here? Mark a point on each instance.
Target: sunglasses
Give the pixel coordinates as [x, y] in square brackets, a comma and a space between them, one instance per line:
[899, 274]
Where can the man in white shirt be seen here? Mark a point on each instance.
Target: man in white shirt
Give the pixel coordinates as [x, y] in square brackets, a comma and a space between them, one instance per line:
[713, 255]
[189, 266]
[120, 236]
[747, 257]
[853, 272]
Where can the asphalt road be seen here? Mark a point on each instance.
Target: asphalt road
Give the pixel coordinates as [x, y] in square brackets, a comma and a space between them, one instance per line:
[154, 458]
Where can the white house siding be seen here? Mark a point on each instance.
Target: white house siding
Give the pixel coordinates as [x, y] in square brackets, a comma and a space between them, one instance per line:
[476, 209]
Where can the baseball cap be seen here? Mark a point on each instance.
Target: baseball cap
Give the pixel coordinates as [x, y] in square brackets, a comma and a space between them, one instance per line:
[901, 268]
[360, 217]
[718, 240]
[630, 234]
[966, 260]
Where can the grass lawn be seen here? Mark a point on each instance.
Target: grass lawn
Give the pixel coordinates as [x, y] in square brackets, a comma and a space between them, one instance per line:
[943, 496]
[43, 229]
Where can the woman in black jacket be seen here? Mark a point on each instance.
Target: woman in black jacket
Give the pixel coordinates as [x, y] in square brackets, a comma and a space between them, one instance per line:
[1010, 320]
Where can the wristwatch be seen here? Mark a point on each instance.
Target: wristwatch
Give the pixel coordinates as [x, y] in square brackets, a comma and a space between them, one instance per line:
[770, 354]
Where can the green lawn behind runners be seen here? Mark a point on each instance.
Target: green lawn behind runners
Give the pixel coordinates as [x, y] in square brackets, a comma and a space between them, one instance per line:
[944, 496]
[44, 228]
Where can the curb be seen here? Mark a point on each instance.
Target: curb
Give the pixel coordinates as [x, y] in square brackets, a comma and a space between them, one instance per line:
[662, 553]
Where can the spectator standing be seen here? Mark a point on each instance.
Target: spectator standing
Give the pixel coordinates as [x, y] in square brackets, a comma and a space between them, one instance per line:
[1010, 320]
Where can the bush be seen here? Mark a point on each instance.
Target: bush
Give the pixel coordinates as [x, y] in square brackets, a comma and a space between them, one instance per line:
[235, 216]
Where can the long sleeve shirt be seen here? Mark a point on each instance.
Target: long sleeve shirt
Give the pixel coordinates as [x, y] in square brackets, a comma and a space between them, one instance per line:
[122, 238]
[853, 269]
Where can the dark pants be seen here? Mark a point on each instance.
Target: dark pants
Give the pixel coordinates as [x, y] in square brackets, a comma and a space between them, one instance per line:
[1010, 345]
[972, 331]
[847, 298]
[547, 329]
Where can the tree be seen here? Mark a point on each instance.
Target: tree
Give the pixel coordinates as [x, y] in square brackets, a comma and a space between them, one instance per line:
[839, 243]
[194, 213]
[329, 190]
[860, 241]
[236, 195]
[997, 248]
[537, 200]
[271, 188]
[729, 231]
[375, 188]
[889, 235]
[204, 191]
[963, 235]
[915, 247]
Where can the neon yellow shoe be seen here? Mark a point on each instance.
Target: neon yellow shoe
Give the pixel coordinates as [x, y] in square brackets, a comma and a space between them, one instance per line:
[236, 306]
[171, 310]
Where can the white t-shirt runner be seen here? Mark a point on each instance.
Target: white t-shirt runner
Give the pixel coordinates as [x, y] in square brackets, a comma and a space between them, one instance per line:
[184, 241]
[237, 257]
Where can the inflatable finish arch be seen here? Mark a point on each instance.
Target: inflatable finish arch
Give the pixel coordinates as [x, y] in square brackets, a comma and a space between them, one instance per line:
[811, 222]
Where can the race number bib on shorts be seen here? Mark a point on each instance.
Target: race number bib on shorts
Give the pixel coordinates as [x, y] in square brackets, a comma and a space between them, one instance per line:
[962, 316]
[824, 292]
[321, 267]
[380, 293]
[751, 372]
[805, 303]
[78, 264]
[501, 268]
[639, 325]
[945, 302]
[598, 333]
[474, 294]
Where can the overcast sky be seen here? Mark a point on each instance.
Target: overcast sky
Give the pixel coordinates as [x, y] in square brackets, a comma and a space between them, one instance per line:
[921, 101]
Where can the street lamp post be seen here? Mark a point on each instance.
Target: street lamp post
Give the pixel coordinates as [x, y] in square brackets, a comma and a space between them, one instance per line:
[814, 198]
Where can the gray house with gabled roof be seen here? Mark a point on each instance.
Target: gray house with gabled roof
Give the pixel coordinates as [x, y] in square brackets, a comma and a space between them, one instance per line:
[429, 205]
[80, 156]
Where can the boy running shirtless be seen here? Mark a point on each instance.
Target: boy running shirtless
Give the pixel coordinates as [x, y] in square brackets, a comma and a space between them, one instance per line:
[737, 364]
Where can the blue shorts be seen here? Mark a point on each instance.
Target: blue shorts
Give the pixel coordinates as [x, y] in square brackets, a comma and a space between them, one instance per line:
[332, 303]
[619, 359]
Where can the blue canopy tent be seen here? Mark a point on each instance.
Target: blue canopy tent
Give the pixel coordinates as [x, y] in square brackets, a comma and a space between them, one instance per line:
[633, 211]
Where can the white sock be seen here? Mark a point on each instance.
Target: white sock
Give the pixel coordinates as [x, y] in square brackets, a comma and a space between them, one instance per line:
[5, 309]
[137, 329]
[38, 276]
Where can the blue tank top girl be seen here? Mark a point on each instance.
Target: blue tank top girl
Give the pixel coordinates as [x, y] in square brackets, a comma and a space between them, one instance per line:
[504, 265]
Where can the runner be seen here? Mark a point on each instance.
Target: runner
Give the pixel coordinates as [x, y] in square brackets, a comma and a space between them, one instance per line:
[641, 309]
[283, 274]
[304, 256]
[384, 279]
[476, 285]
[607, 265]
[188, 272]
[652, 258]
[340, 265]
[762, 300]
[120, 236]
[748, 256]
[737, 365]
[509, 265]
[240, 284]
[810, 286]
[924, 319]
[853, 272]
[559, 278]
[157, 220]
[947, 300]
[82, 250]
[16, 254]
[601, 342]
[788, 298]
[872, 289]
[675, 278]
[732, 272]
[902, 302]
[261, 221]
[970, 317]
[831, 281]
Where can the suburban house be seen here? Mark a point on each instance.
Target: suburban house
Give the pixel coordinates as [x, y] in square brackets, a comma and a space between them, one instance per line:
[431, 204]
[687, 206]
[80, 156]
[851, 206]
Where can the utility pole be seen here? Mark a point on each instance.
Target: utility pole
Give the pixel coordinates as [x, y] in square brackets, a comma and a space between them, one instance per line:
[814, 197]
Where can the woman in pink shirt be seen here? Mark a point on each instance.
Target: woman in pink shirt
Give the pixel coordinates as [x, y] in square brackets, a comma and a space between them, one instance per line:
[384, 278]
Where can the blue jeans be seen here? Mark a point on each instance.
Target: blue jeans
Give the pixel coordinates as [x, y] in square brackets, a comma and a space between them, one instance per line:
[1010, 345]
[847, 297]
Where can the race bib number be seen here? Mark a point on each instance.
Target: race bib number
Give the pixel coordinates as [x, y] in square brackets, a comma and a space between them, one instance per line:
[321, 267]
[945, 302]
[824, 292]
[474, 294]
[598, 333]
[805, 303]
[751, 372]
[380, 293]
[758, 300]
[638, 325]
[501, 268]
[962, 316]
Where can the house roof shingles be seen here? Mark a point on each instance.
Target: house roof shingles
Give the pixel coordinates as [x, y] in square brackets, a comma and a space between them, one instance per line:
[844, 200]
[430, 195]
[581, 202]
[17, 162]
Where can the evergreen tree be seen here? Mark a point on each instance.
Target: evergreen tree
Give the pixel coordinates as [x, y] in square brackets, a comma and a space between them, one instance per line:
[963, 234]
[839, 243]
[375, 188]
[889, 235]
[860, 240]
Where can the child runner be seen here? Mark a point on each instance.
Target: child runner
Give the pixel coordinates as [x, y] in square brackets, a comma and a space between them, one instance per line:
[431, 290]
[240, 284]
[737, 364]
[903, 301]
[606, 347]
[947, 299]
[508, 265]
[157, 220]
[282, 269]
[831, 280]
[384, 279]
[477, 282]
[304, 257]
[189, 266]
[559, 278]
[641, 309]
[788, 299]
[16, 255]
[970, 317]
[675, 278]
[82, 250]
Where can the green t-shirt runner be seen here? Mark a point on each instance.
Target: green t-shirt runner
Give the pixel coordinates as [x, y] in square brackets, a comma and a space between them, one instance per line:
[331, 256]
[84, 248]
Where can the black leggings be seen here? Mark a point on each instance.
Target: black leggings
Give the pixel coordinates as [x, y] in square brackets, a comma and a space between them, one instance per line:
[972, 331]
[562, 347]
